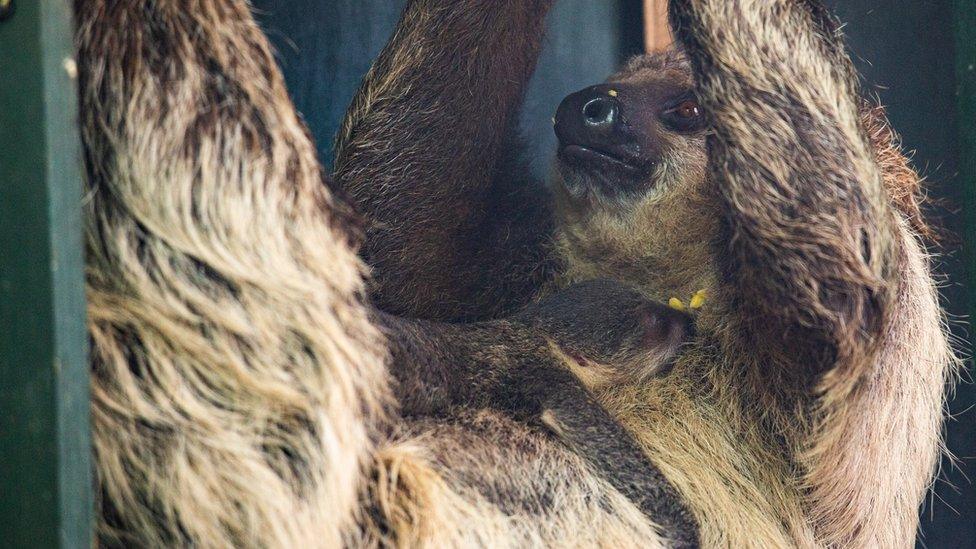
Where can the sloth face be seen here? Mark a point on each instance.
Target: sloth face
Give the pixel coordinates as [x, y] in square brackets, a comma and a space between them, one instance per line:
[616, 139]
[632, 195]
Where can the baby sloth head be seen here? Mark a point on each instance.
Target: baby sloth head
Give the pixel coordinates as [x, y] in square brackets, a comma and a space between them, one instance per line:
[631, 190]
[610, 333]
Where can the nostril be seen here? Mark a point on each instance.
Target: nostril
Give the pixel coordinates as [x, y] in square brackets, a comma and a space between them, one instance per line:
[600, 111]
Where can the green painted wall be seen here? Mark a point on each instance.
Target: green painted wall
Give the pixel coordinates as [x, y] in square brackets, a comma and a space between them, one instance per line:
[45, 465]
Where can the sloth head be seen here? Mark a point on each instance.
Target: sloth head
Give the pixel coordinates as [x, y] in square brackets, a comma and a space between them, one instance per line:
[634, 200]
[610, 332]
[631, 179]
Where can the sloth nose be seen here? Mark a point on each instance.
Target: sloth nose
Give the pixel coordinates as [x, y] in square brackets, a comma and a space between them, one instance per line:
[600, 113]
[590, 117]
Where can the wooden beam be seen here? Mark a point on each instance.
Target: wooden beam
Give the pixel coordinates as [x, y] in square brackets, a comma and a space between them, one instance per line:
[657, 33]
[45, 449]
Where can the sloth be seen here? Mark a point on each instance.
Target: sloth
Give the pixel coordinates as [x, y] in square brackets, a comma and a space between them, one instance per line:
[596, 333]
[807, 409]
[537, 367]
[244, 393]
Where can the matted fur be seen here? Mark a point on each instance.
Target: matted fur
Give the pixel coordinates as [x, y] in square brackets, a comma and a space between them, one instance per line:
[240, 394]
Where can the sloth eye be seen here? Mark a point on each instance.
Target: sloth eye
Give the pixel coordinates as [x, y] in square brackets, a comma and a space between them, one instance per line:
[688, 109]
[686, 116]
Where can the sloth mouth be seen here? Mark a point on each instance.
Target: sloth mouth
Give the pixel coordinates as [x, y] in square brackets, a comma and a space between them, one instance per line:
[590, 172]
[590, 158]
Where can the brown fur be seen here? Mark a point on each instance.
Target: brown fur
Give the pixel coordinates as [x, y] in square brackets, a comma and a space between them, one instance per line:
[240, 390]
[808, 411]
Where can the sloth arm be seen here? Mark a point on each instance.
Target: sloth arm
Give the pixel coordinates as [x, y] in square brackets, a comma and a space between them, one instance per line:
[810, 249]
[812, 263]
[427, 154]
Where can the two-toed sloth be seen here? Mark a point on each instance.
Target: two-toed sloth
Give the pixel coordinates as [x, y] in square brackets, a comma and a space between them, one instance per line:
[807, 410]
[243, 392]
[244, 395]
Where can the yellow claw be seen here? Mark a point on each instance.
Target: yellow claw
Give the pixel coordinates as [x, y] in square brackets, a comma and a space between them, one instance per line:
[676, 304]
[698, 299]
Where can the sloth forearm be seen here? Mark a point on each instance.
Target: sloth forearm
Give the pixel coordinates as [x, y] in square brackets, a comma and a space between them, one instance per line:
[811, 237]
[438, 105]
[421, 147]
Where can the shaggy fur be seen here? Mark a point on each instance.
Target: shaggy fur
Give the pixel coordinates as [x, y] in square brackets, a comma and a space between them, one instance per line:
[241, 396]
[808, 410]
[238, 387]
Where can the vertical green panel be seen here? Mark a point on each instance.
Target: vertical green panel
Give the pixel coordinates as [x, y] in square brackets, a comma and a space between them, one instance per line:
[963, 531]
[45, 463]
[965, 23]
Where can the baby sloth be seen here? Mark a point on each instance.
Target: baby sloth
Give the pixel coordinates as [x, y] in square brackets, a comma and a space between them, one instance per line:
[629, 341]
[540, 367]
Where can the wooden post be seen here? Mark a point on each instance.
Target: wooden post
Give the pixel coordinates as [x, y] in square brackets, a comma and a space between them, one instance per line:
[657, 33]
[45, 449]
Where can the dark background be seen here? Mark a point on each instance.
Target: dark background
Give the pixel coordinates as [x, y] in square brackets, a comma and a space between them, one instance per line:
[904, 49]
